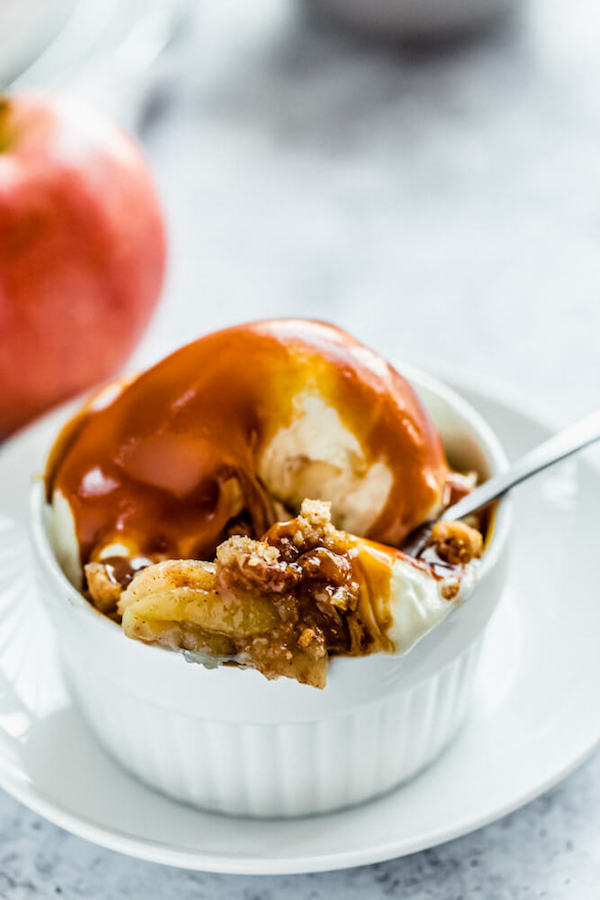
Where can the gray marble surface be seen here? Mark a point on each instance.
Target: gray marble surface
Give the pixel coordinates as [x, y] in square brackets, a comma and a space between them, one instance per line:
[550, 849]
[442, 204]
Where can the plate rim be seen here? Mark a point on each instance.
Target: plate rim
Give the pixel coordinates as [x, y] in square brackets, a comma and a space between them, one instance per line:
[20, 787]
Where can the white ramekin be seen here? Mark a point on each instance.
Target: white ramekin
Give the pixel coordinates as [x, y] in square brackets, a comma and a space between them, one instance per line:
[228, 739]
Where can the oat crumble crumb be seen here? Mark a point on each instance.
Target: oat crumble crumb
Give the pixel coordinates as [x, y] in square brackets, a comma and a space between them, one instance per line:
[455, 542]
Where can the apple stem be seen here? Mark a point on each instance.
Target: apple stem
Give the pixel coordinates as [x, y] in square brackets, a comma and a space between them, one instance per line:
[5, 135]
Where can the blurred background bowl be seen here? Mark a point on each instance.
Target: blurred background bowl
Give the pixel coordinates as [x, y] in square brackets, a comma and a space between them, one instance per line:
[412, 18]
[27, 27]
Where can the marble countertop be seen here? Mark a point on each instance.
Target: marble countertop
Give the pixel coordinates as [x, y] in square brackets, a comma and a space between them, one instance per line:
[442, 204]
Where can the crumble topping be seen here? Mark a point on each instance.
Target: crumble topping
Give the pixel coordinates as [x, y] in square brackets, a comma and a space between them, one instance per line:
[455, 542]
[103, 588]
[244, 564]
[282, 604]
[314, 523]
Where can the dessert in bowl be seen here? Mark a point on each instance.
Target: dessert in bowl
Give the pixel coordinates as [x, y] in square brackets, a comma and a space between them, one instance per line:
[260, 501]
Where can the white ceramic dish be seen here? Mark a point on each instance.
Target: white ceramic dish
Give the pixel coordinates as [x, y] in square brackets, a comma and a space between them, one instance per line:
[534, 713]
[231, 741]
[413, 19]
[26, 29]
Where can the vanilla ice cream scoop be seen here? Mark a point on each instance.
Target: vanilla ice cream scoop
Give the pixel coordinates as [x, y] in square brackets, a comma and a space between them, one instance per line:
[244, 501]
[230, 433]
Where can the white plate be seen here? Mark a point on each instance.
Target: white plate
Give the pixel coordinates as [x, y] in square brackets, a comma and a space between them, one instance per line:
[535, 717]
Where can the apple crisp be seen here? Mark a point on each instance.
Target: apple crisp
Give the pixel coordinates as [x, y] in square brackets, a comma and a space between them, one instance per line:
[283, 604]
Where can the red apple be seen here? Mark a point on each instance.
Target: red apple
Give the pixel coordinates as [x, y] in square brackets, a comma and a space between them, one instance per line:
[82, 252]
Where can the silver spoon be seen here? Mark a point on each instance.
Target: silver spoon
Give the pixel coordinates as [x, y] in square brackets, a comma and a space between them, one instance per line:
[563, 444]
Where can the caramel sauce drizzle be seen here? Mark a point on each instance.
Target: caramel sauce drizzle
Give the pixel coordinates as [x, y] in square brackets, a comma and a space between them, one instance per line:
[172, 459]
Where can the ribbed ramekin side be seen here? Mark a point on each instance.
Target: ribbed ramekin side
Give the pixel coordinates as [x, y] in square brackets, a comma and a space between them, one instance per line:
[286, 769]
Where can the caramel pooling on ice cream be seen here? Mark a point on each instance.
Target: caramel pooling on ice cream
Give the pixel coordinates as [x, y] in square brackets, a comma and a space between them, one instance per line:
[175, 460]
[244, 501]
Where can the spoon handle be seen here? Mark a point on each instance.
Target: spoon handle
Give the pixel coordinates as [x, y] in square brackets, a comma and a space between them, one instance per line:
[563, 444]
